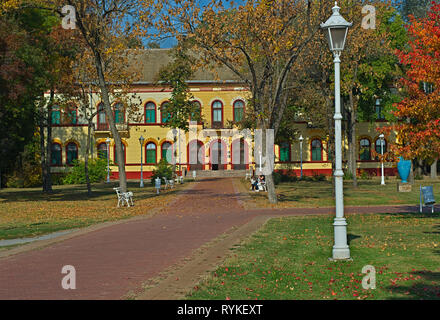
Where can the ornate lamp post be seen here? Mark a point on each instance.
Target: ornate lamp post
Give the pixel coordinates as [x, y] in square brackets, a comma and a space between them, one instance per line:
[107, 141]
[382, 140]
[141, 141]
[335, 30]
[301, 139]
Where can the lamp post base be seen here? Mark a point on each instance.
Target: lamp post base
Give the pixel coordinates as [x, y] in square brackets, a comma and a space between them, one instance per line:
[341, 253]
[341, 250]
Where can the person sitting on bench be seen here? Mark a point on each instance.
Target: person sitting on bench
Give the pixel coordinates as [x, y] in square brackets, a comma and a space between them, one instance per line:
[254, 183]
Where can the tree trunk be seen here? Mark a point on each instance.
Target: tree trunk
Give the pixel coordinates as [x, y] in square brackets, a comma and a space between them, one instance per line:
[352, 159]
[411, 173]
[434, 169]
[114, 131]
[46, 148]
[86, 160]
[270, 184]
[42, 152]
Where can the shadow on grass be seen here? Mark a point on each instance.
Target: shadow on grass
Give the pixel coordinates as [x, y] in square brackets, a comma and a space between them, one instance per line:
[100, 191]
[436, 230]
[411, 215]
[351, 237]
[428, 288]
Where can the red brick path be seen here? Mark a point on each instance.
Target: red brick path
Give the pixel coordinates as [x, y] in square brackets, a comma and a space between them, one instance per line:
[112, 261]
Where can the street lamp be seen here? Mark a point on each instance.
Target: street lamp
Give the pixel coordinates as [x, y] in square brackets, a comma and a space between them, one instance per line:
[301, 139]
[141, 141]
[335, 30]
[107, 141]
[382, 139]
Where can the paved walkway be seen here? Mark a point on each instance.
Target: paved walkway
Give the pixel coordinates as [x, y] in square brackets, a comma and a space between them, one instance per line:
[115, 260]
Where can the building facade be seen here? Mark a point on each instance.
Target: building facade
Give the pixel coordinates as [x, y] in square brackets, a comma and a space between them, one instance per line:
[213, 144]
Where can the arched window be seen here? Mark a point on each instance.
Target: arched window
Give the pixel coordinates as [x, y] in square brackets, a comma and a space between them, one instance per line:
[365, 149]
[71, 153]
[197, 114]
[55, 115]
[102, 150]
[378, 148]
[238, 110]
[217, 114]
[284, 152]
[150, 154]
[167, 152]
[164, 114]
[316, 150]
[119, 113]
[55, 156]
[150, 112]
[116, 154]
[102, 118]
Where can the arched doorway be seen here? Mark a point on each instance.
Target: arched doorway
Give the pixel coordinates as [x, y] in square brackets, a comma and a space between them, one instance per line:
[196, 155]
[217, 155]
[239, 156]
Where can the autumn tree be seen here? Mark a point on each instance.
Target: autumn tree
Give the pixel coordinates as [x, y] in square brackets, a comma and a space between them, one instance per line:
[180, 109]
[369, 68]
[418, 114]
[259, 41]
[103, 26]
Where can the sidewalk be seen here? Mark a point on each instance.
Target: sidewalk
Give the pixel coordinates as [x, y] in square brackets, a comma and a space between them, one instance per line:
[112, 261]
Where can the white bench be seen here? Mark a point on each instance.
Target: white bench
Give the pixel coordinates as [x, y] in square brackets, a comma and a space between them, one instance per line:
[126, 197]
[168, 183]
[179, 179]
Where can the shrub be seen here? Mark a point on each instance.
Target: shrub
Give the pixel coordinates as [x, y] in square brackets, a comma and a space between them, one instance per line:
[365, 175]
[163, 169]
[97, 172]
[276, 177]
[318, 177]
[348, 175]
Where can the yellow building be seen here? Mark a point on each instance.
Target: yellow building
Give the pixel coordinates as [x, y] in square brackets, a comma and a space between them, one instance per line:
[222, 102]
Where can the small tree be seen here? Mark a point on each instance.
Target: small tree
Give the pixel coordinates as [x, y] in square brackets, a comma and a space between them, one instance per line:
[418, 114]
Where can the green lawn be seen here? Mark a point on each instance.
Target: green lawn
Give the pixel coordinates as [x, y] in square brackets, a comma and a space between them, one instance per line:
[288, 259]
[319, 194]
[29, 212]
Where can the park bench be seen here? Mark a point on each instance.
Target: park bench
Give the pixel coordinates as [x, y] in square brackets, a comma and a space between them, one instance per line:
[179, 179]
[168, 183]
[126, 197]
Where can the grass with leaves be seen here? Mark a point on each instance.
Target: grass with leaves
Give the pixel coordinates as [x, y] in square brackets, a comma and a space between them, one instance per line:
[314, 194]
[288, 259]
[30, 212]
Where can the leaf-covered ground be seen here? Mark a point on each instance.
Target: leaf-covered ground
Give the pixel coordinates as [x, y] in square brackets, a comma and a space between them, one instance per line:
[29, 212]
[315, 194]
[288, 259]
